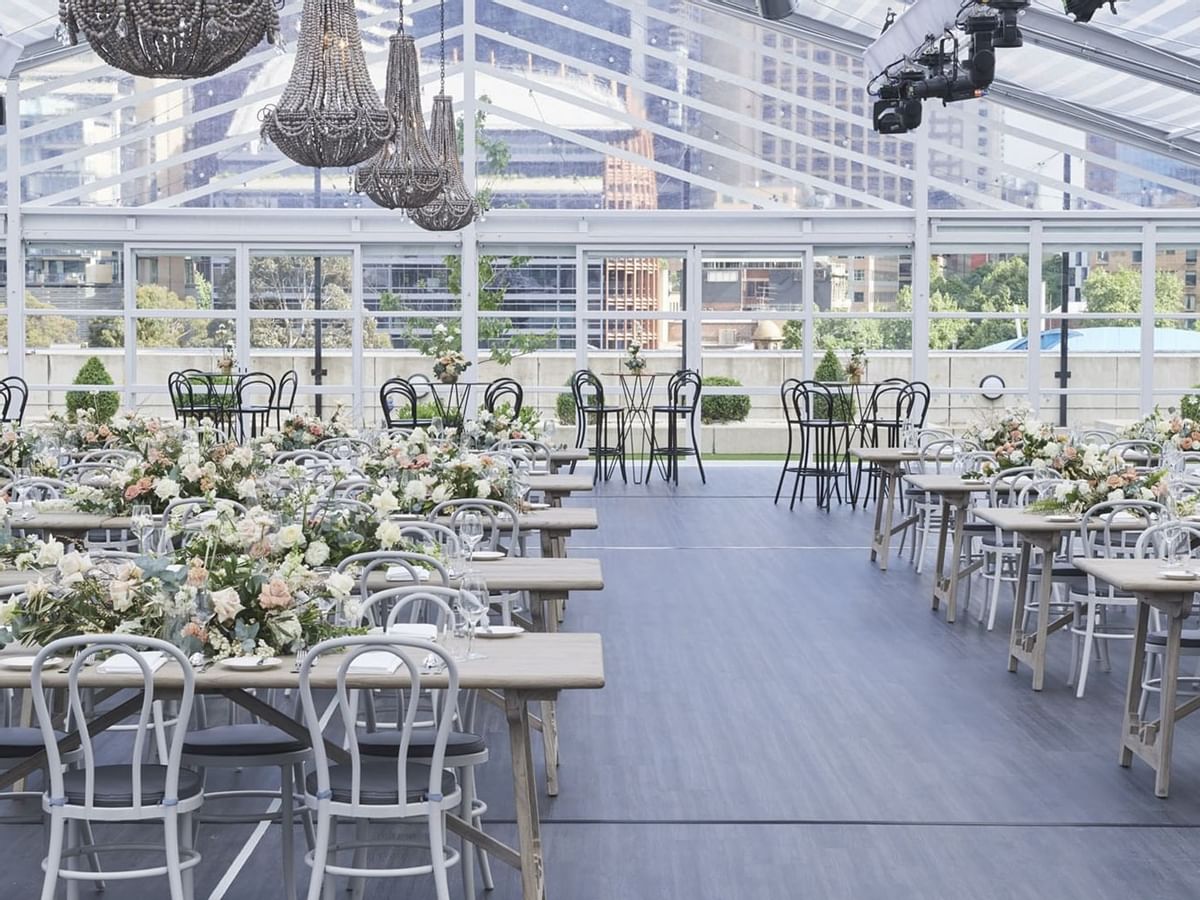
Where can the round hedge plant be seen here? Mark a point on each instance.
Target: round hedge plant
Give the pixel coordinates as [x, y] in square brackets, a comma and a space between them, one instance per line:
[716, 408]
[101, 404]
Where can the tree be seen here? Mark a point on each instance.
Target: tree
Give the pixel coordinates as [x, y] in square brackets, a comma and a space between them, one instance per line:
[44, 331]
[1121, 292]
[102, 404]
[110, 332]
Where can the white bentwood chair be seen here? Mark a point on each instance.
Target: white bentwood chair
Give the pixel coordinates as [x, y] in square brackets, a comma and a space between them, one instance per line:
[135, 791]
[403, 787]
[1160, 541]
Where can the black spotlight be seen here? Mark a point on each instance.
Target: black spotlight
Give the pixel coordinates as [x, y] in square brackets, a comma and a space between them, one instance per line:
[1083, 10]
[1008, 33]
[896, 111]
[776, 9]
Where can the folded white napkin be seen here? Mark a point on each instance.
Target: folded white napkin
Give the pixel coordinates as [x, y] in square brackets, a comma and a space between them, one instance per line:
[400, 573]
[122, 664]
[376, 662]
[419, 630]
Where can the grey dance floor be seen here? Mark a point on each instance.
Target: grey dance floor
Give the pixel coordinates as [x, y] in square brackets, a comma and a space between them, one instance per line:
[783, 720]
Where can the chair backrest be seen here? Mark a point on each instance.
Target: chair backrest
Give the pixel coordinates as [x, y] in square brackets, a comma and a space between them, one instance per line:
[1101, 436]
[37, 489]
[89, 473]
[442, 536]
[927, 436]
[285, 396]
[1009, 487]
[351, 487]
[1105, 531]
[418, 603]
[814, 403]
[412, 563]
[1140, 453]
[182, 512]
[501, 391]
[344, 447]
[501, 525]
[411, 655]
[787, 399]
[587, 390]
[921, 398]
[941, 455]
[83, 648]
[1167, 539]
[255, 390]
[684, 389]
[891, 403]
[983, 461]
[112, 456]
[16, 399]
[536, 453]
[398, 401]
[310, 459]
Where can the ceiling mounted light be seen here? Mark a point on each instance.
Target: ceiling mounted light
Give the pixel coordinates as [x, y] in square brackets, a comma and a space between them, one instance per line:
[404, 173]
[775, 10]
[454, 207]
[329, 114]
[171, 39]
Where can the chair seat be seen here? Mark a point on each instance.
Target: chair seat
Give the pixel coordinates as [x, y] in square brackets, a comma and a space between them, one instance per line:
[378, 783]
[681, 410]
[1006, 542]
[979, 528]
[114, 785]
[18, 743]
[602, 410]
[1058, 570]
[387, 743]
[241, 740]
[1190, 639]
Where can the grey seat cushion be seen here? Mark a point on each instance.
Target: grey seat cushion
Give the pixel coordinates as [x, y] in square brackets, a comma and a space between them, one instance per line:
[241, 740]
[387, 743]
[18, 743]
[1190, 638]
[1058, 570]
[378, 783]
[114, 785]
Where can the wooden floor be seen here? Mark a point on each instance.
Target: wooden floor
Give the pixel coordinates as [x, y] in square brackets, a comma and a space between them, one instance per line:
[783, 720]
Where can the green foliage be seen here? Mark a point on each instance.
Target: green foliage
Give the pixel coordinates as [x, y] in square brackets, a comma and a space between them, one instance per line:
[1189, 406]
[564, 407]
[1121, 292]
[288, 283]
[723, 407]
[101, 404]
[110, 332]
[830, 371]
[43, 331]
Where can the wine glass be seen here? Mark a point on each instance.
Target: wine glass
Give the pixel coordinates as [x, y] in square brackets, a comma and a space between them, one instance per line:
[470, 529]
[473, 594]
[436, 426]
[141, 521]
[520, 478]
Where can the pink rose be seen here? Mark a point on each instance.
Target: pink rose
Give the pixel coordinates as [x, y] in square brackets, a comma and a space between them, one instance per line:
[275, 595]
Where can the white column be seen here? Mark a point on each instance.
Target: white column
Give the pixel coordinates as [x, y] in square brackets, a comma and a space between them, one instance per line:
[356, 335]
[470, 234]
[1149, 270]
[692, 309]
[13, 248]
[920, 257]
[809, 343]
[1033, 320]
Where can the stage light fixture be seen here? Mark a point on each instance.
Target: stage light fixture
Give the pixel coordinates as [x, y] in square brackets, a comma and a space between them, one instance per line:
[1083, 10]
[776, 9]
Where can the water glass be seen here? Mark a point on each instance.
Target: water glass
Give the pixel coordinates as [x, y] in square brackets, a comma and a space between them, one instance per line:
[142, 521]
[470, 532]
[436, 426]
[476, 603]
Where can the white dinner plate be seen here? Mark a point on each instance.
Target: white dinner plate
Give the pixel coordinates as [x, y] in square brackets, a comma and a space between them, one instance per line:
[500, 631]
[25, 663]
[533, 506]
[1062, 518]
[1178, 575]
[252, 662]
[488, 555]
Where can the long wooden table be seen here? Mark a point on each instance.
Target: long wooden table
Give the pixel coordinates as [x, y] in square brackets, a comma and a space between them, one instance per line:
[1152, 740]
[556, 487]
[554, 525]
[955, 493]
[890, 461]
[526, 669]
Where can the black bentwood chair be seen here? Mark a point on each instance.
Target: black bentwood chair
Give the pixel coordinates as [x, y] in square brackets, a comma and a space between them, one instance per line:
[588, 393]
[683, 405]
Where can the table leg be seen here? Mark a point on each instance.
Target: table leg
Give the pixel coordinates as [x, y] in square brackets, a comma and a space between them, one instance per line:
[883, 538]
[1131, 726]
[1045, 592]
[529, 834]
[1016, 635]
[545, 619]
[939, 576]
[1170, 685]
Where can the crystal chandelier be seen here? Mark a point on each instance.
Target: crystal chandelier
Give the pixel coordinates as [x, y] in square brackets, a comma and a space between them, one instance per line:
[329, 114]
[171, 39]
[404, 173]
[454, 207]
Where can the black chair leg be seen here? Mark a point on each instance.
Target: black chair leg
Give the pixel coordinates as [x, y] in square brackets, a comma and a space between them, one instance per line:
[696, 450]
[787, 458]
[621, 444]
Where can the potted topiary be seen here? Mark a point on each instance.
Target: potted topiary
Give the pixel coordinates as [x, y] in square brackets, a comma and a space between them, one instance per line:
[830, 371]
[102, 405]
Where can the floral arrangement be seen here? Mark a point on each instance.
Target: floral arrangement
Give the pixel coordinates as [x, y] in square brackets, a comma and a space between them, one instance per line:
[634, 361]
[1017, 439]
[417, 478]
[126, 431]
[488, 427]
[21, 448]
[856, 367]
[445, 348]
[1093, 477]
[1166, 429]
[299, 432]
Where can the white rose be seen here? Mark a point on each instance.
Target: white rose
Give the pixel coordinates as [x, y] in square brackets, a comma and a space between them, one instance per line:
[268, 448]
[317, 553]
[483, 488]
[385, 502]
[8, 611]
[290, 536]
[166, 489]
[1117, 494]
[340, 584]
[227, 604]
[1062, 490]
[118, 593]
[248, 530]
[439, 493]
[247, 488]
[192, 472]
[416, 491]
[388, 534]
[243, 456]
[50, 553]
[73, 566]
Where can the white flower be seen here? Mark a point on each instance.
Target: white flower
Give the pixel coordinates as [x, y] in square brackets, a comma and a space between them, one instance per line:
[166, 489]
[416, 491]
[290, 536]
[118, 593]
[268, 448]
[385, 502]
[1062, 490]
[439, 493]
[483, 488]
[8, 611]
[243, 456]
[1117, 494]
[388, 534]
[192, 472]
[248, 530]
[1147, 494]
[247, 488]
[317, 553]
[50, 553]
[340, 584]
[73, 566]
[227, 604]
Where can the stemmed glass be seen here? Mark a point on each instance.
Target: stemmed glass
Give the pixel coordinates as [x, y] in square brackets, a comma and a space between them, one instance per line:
[436, 426]
[520, 476]
[142, 520]
[21, 474]
[475, 604]
[470, 530]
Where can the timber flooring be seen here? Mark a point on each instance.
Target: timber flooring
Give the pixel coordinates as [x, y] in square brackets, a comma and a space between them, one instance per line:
[783, 720]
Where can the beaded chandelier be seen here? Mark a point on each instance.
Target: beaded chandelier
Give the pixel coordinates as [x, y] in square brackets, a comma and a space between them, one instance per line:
[454, 207]
[329, 114]
[404, 173]
[170, 38]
